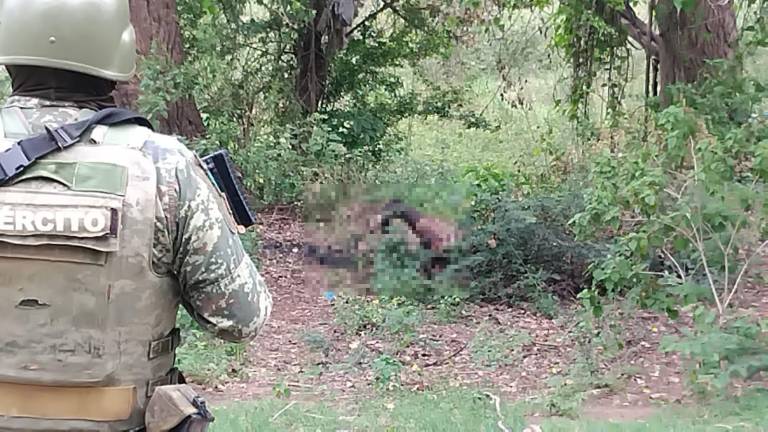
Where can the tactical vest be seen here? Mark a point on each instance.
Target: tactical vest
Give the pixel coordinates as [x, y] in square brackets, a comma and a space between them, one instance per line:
[87, 330]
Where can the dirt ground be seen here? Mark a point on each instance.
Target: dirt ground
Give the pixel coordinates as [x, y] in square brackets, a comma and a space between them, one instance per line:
[643, 377]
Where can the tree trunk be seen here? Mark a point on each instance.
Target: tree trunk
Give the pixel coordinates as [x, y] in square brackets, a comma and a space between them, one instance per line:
[689, 38]
[312, 62]
[156, 24]
[320, 40]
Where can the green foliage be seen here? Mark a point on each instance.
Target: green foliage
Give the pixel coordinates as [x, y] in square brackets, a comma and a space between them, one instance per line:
[719, 352]
[281, 390]
[395, 316]
[454, 92]
[205, 359]
[490, 185]
[587, 37]
[687, 214]
[449, 308]
[491, 349]
[397, 266]
[386, 372]
[544, 302]
[241, 68]
[525, 246]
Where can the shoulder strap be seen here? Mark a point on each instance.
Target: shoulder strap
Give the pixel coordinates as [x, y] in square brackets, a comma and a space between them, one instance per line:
[27, 151]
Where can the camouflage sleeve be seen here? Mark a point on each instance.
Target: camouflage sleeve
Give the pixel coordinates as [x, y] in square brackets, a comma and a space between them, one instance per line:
[221, 287]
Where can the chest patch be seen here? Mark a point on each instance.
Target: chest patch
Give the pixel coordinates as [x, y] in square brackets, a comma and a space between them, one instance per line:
[22, 220]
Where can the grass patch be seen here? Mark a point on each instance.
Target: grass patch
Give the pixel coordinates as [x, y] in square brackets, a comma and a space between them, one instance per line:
[491, 348]
[205, 359]
[471, 411]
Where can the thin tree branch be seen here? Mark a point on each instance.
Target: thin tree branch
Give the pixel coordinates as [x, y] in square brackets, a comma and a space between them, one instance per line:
[741, 273]
[678, 267]
[402, 16]
[638, 30]
[371, 17]
[699, 237]
[726, 253]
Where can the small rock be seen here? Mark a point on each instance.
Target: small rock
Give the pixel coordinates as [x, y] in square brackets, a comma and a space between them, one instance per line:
[533, 428]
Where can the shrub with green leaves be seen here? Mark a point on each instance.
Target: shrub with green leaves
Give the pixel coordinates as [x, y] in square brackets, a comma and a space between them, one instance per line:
[386, 372]
[525, 237]
[391, 315]
[686, 212]
[692, 194]
[718, 352]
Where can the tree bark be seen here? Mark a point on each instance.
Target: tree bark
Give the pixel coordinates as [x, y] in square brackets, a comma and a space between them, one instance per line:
[312, 74]
[686, 39]
[156, 24]
[690, 38]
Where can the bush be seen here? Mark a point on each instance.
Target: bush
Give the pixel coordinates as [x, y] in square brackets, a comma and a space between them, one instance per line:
[718, 352]
[529, 237]
[686, 212]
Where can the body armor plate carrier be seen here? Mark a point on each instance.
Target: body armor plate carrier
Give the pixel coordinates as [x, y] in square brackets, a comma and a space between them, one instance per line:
[88, 330]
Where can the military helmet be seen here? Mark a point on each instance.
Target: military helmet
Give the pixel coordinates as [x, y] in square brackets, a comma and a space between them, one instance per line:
[94, 37]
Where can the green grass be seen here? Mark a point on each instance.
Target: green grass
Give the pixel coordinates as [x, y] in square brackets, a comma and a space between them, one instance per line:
[204, 358]
[470, 411]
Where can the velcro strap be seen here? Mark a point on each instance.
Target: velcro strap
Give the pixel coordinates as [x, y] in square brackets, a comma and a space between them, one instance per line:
[67, 403]
[172, 377]
[166, 345]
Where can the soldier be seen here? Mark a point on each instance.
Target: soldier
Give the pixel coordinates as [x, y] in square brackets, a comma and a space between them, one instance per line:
[100, 242]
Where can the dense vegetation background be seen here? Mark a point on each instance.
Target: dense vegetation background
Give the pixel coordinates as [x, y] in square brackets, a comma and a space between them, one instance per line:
[613, 154]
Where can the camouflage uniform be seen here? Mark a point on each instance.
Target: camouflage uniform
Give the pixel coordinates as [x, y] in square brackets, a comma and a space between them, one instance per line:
[196, 240]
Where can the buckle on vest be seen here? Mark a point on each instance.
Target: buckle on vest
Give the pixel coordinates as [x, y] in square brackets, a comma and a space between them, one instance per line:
[12, 162]
[166, 345]
[60, 136]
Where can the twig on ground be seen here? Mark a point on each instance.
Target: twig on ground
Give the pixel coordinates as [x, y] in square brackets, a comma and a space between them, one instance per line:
[445, 359]
[497, 403]
[293, 384]
[274, 417]
[548, 344]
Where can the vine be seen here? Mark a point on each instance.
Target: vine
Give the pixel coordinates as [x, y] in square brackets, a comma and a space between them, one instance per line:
[590, 38]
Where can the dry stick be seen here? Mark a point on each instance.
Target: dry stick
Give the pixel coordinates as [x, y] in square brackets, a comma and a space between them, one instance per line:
[445, 359]
[743, 270]
[548, 344]
[726, 252]
[282, 411]
[695, 239]
[294, 384]
[497, 402]
[677, 266]
[700, 246]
